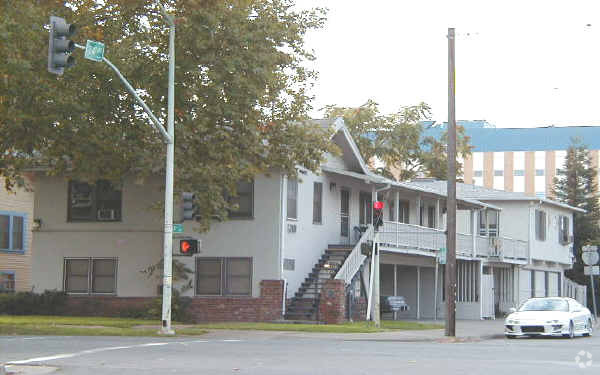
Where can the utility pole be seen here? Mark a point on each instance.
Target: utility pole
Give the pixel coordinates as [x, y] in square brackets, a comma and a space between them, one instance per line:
[450, 273]
[168, 232]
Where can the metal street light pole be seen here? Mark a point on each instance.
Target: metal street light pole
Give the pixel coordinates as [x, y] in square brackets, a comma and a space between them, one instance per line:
[450, 273]
[168, 232]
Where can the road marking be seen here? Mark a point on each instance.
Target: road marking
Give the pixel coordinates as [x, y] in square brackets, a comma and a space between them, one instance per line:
[33, 338]
[99, 350]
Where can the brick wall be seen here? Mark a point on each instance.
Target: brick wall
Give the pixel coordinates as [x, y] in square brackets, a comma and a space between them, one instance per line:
[332, 304]
[267, 307]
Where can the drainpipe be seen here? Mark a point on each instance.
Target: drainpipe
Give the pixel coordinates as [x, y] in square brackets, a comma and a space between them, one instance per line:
[282, 227]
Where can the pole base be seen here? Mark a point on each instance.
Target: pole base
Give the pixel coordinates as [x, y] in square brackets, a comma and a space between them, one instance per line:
[166, 331]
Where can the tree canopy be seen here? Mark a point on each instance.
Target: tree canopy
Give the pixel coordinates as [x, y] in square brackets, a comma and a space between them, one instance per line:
[241, 93]
[397, 140]
[576, 186]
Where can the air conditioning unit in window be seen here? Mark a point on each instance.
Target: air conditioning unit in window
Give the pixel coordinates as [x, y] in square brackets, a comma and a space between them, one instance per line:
[496, 246]
[105, 214]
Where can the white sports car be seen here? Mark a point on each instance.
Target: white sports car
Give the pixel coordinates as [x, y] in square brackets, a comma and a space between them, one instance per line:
[550, 316]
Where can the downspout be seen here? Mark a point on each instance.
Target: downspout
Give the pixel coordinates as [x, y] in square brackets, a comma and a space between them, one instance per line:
[282, 222]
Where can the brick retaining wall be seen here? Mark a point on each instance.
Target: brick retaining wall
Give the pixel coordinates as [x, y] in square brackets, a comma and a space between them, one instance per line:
[267, 307]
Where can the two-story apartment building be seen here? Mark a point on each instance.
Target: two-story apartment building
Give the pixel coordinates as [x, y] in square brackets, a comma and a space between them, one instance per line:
[16, 223]
[272, 256]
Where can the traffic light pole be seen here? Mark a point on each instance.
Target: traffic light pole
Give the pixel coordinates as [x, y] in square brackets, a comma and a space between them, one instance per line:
[169, 138]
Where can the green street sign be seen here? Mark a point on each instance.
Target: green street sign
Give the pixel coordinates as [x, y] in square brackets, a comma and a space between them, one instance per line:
[177, 228]
[94, 50]
[442, 255]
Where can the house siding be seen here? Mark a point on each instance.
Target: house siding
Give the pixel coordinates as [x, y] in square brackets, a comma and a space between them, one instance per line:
[19, 202]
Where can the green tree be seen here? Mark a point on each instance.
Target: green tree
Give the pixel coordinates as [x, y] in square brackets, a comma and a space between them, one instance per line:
[241, 93]
[576, 186]
[397, 140]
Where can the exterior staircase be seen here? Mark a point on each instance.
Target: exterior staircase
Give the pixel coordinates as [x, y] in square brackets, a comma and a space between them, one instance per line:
[304, 306]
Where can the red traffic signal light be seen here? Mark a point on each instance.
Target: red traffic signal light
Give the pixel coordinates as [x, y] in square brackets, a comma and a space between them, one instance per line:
[378, 205]
[188, 246]
[377, 214]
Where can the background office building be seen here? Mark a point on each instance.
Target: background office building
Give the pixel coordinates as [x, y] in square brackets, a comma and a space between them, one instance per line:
[519, 159]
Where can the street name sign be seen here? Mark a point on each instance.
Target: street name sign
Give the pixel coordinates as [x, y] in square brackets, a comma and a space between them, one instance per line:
[442, 255]
[177, 228]
[94, 50]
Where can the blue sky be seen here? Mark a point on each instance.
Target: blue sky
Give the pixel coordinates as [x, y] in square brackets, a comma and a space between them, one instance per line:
[518, 63]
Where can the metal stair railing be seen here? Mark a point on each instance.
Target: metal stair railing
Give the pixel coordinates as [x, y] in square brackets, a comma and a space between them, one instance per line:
[355, 259]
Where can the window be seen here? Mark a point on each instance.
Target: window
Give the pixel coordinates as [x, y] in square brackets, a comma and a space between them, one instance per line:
[365, 209]
[90, 275]
[421, 215]
[477, 173]
[244, 201]
[403, 212]
[7, 282]
[292, 199]
[540, 225]
[563, 230]
[482, 223]
[391, 210]
[431, 217]
[539, 172]
[519, 172]
[224, 276]
[12, 232]
[318, 203]
[499, 173]
[99, 202]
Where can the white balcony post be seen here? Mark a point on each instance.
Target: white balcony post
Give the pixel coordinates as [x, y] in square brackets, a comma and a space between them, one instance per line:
[418, 210]
[437, 214]
[474, 231]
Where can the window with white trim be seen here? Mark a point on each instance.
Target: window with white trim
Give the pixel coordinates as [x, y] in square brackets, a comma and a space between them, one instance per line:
[244, 201]
[563, 229]
[90, 275]
[12, 231]
[318, 203]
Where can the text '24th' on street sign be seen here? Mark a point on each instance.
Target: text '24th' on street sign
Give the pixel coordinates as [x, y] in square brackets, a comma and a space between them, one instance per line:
[94, 50]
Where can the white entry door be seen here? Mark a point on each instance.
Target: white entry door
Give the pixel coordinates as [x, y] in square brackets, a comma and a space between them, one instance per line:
[345, 215]
[487, 297]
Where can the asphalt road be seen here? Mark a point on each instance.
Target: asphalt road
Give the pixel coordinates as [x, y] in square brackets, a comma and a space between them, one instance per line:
[228, 352]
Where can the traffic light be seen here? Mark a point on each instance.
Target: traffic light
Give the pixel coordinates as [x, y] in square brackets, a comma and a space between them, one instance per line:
[188, 206]
[377, 214]
[188, 247]
[59, 46]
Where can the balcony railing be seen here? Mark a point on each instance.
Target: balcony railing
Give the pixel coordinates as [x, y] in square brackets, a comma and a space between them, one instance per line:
[431, 240]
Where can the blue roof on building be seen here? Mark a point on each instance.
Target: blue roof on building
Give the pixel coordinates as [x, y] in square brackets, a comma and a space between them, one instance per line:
[486, 137]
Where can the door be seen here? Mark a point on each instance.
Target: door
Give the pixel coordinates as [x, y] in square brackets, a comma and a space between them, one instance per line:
[345, 215]
[487, 297]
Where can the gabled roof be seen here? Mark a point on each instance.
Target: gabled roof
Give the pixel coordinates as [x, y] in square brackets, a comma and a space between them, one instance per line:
[481, 193]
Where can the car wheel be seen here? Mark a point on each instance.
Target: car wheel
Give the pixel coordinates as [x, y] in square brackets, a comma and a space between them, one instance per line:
[510, 337]
[590, 328]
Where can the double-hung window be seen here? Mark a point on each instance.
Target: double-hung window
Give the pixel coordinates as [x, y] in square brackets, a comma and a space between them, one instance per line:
[292, 198]
[12, 232]
[540, 225]
[90, 275]
[224, 276]
[244, 201]
[99, 202]
[563, 230]
[318, 203]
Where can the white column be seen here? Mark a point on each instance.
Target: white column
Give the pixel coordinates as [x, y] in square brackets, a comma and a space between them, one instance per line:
[418, 213]
[474, 231]
[395, 287]
[437, 214]
[397, 205]
[418, 292]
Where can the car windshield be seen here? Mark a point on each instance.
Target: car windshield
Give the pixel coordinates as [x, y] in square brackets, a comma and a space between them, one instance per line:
[545, 305]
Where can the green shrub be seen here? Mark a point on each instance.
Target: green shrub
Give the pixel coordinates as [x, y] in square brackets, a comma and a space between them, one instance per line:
[179, 306]
[50, 302]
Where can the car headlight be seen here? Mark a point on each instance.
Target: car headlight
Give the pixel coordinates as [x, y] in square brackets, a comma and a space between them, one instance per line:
[512, 321]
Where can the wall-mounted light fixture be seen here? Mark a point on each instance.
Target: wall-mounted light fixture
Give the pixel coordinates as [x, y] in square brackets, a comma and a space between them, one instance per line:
[37, 224]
